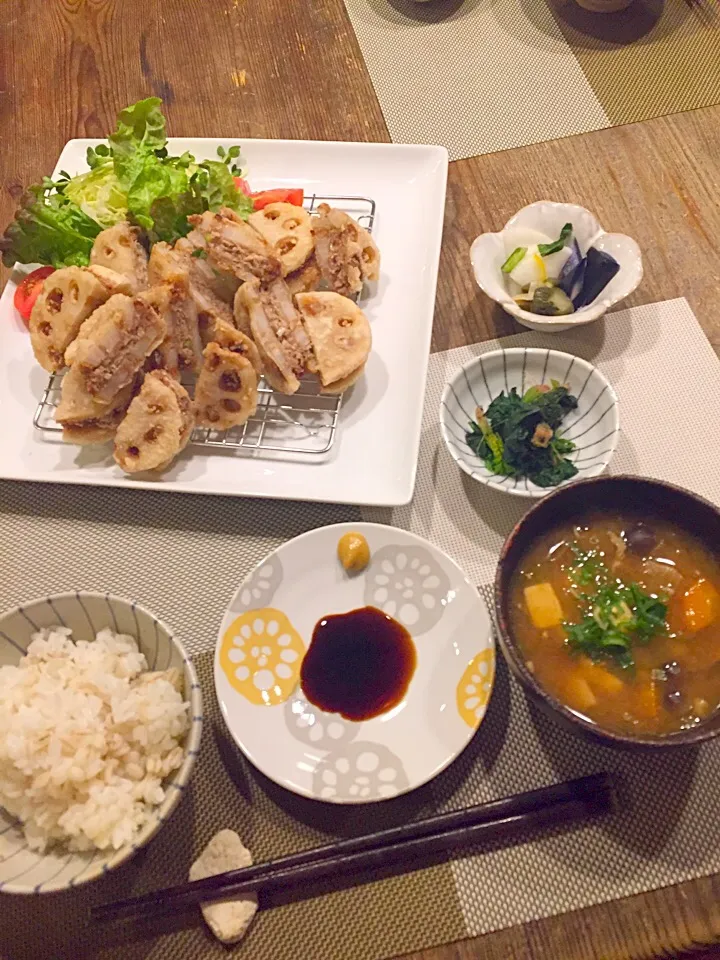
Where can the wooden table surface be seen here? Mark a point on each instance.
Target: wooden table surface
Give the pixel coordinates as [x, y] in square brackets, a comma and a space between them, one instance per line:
[273, 68]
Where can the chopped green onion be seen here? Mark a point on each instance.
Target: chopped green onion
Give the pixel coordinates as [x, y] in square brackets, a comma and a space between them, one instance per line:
[545, 249]
[514, 259]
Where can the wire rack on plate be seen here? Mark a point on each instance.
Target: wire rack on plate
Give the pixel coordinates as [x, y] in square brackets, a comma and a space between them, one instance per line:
[304, 423]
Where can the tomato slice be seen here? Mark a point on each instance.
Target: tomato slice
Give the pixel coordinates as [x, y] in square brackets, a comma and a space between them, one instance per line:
[243, 186]
[29, 290]
[296, 196]
[293, 195]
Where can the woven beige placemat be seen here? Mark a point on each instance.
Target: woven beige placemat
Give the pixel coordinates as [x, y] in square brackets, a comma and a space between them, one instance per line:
[183, 557]
[484, 75]
[384, 918]
[667, 378]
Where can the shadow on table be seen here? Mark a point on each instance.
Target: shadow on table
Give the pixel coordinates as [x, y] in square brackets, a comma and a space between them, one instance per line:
[643, 22]
[120, 508]
[596, 31]
[587, 341]
[54, 926]
[647, 819]
[342, 821]
[423, 11]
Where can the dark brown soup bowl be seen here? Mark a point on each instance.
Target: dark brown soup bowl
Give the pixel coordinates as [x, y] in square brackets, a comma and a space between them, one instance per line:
[637, 494]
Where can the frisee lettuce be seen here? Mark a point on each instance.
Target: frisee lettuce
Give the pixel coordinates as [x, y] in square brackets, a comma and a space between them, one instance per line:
[48, 228]
[131, 177]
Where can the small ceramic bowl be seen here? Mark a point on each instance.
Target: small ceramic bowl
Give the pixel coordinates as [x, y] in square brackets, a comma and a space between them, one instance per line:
[594, 426]
[85, 613]
[649, 497]
[490, 250]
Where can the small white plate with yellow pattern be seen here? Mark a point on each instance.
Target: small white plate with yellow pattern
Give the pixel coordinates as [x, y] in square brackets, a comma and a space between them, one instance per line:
[267, 629]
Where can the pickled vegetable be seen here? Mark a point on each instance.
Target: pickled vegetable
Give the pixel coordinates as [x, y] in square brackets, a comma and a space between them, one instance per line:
[551, 301]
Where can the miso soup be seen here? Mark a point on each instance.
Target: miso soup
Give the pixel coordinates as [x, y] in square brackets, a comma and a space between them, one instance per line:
[618, 617]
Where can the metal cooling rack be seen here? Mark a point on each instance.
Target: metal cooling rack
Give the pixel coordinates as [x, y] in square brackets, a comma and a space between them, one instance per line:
[304, 423]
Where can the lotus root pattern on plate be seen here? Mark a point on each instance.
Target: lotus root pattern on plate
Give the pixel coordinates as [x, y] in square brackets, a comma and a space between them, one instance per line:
[361, 771]
[316, 728]
[407, 583]
[261, 655]
[475, 687]
[260, 587]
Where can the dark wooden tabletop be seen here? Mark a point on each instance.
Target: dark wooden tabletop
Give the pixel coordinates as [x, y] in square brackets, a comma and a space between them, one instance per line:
[273, 68]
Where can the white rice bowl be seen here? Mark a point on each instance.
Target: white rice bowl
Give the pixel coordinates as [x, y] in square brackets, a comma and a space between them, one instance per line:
[86, 739]
[97, 737]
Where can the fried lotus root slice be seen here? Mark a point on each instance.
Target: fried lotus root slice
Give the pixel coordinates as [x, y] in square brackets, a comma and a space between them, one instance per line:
[169, 263]
[339, 332]
[226, 390]
[182, 348]
[234, 340]
[340, 386]
[157, 425]
[76, 404]
[119, 248]
[233, 246]
[280, 362]
[288, 231]
[370, 255]
[113, 281]
[223, 284]
[241, 314]
[306, 279]
[103, 421]
[260, 654]
[67, 299]
[338, 250]
[113, 345]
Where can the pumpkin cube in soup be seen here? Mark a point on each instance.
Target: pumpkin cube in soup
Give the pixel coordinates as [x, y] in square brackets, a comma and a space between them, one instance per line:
[578, 694]
[543, 606]
[602, 681]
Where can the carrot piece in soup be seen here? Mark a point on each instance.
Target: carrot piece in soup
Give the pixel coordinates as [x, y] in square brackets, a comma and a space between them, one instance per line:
[700, 606]
[543, 606]
[647, 701]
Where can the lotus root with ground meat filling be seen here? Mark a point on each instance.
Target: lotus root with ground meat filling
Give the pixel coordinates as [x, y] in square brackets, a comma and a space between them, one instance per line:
[234, 246]
[67, 298]
[131, 322]
[339, 333]
[345, 251]
[112, 347]
[119, 248]
[157, 425]
[226, 390]
[288, 231]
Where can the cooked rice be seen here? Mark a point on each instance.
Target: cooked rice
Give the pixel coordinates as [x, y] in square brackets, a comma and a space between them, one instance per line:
[86, 739]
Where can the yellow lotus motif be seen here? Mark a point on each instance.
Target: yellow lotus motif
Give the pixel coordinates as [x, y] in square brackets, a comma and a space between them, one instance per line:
[261, 653]
[473, 691]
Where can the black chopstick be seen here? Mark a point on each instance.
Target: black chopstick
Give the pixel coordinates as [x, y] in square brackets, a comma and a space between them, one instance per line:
[558, 805]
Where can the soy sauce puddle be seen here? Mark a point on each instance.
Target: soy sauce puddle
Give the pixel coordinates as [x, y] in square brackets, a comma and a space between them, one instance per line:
[359, 664]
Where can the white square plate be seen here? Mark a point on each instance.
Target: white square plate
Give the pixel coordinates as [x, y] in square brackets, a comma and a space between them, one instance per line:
[373, 458]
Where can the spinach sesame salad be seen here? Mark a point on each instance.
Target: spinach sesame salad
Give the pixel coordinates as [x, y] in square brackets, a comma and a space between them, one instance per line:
[517, 436]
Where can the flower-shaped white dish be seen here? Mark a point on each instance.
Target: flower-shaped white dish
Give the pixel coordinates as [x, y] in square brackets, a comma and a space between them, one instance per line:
[490, 250]
[594, 426]
[269, 624]
[85, 612]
